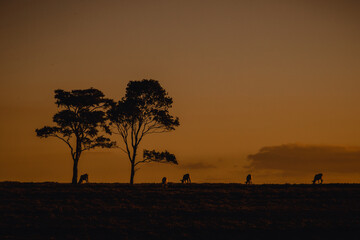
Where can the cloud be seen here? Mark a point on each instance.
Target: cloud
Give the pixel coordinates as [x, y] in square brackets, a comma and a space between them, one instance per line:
[196, 165]
[310, 158]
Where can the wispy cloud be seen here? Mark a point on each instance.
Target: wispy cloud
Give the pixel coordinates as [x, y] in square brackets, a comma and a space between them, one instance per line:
[196, 165]
[300, 158]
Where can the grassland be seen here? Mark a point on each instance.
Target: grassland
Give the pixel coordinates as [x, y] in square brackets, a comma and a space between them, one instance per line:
[194, 211]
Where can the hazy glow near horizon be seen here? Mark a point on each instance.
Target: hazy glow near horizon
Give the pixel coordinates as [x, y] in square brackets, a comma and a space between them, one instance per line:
[243, 75]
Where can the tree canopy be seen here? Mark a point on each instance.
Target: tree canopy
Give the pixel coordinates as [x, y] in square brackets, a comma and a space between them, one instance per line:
[79, 122]
[144, 110]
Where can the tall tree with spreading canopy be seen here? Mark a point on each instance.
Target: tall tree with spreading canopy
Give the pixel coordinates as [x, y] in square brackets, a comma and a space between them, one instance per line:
[144, 110]
[79, 122]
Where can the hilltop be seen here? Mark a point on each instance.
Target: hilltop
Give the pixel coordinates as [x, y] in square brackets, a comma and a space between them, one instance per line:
[194, 211]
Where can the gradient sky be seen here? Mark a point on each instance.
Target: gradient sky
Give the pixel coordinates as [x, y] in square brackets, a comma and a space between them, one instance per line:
[276, 80]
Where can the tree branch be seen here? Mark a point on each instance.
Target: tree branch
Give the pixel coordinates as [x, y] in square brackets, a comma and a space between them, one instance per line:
[65, 141]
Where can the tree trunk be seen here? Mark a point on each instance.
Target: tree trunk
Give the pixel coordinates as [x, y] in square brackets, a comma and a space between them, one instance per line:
[76, 158]
[132, 173]
[75, 172]
[132, 161]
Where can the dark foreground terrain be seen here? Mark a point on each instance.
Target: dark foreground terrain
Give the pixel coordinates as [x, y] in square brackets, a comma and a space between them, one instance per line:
[196, 211]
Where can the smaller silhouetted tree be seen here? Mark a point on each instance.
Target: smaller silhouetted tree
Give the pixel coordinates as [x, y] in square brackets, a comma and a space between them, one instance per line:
[160, 157]
[79, 122]
[144, 110]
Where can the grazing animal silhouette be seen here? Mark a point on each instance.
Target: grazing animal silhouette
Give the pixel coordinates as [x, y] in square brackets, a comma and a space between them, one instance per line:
[164, 182]
[318, 178]
[186, 179]
[84, 177]
[248, 179]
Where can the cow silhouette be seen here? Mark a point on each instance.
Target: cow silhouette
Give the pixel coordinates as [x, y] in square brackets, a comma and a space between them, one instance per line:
[164, 182]
[84, 177]
[248, 179]
[318, 178]
[186, 179]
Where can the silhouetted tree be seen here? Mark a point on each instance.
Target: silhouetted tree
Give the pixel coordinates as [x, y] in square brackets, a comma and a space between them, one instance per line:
[143, 110]
[79, 122]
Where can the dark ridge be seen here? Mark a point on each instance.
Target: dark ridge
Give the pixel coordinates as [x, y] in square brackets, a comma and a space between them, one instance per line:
[192, 211]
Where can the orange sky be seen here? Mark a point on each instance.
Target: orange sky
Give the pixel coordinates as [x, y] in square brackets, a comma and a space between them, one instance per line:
[243, 75]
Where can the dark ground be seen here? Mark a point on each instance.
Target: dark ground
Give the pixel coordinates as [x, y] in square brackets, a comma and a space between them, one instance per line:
[196, 211]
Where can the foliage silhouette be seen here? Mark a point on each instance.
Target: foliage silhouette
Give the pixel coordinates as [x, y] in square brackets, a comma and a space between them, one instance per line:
[79, 122]
[160, 157]
[144, 110]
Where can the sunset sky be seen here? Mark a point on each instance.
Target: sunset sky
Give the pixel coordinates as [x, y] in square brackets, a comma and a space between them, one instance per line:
[270, 88]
